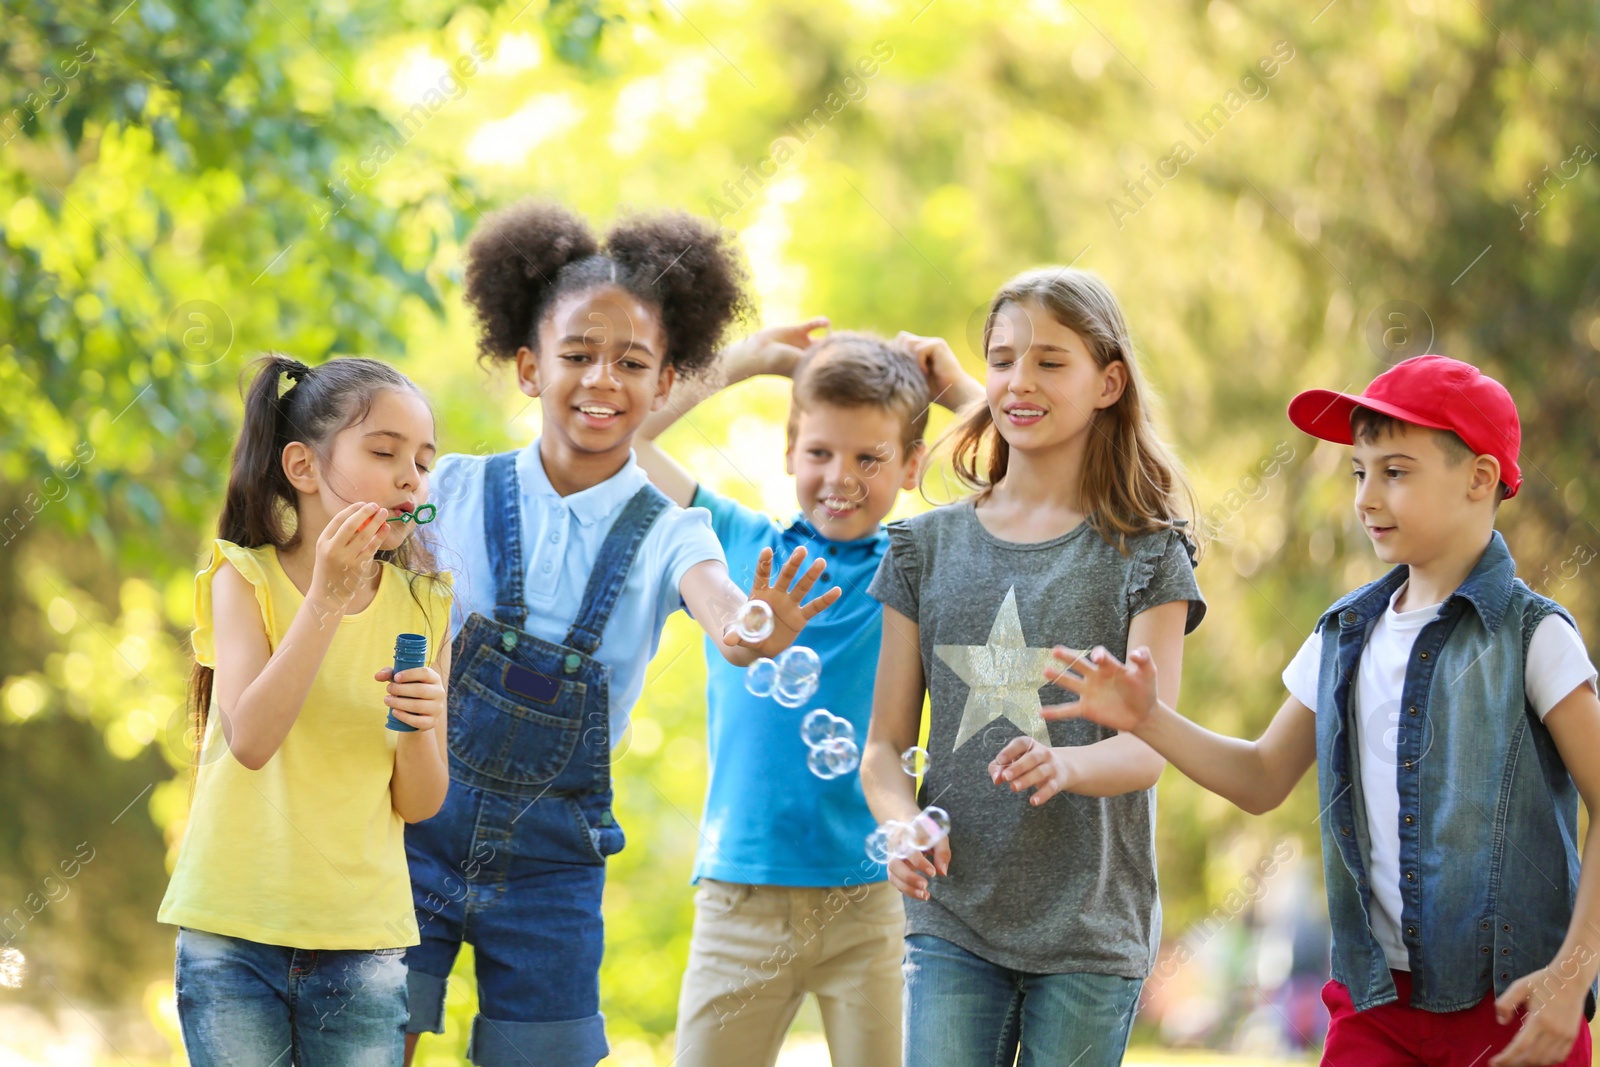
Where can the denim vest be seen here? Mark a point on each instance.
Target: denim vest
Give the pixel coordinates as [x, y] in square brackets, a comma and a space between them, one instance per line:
[1488, 813]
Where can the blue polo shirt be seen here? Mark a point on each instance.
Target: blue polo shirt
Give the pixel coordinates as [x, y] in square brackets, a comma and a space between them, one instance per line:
[768, 820]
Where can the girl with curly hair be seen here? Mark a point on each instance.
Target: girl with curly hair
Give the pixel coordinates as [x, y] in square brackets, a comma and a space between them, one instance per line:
[567, 563]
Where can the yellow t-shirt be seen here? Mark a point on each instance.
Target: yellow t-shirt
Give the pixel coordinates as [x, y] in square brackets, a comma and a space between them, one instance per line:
[307, 852]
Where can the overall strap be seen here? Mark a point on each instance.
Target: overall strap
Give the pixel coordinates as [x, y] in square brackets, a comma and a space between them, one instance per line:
[502, 536]
[611, 567]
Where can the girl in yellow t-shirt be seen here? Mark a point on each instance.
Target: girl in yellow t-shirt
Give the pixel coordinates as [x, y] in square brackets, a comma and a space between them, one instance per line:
[291, 891]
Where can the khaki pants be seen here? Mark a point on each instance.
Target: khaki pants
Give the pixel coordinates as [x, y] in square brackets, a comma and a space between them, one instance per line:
[758, 950]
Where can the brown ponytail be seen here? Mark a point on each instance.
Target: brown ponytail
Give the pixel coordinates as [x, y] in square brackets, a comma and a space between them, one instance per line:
[289, 401]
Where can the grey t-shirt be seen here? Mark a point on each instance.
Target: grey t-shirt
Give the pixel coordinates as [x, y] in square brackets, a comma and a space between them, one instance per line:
[1069, 885]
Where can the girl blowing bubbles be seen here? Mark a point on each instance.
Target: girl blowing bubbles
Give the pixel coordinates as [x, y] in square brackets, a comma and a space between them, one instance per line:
[567, 564]
[1034, 924]
[291, 889]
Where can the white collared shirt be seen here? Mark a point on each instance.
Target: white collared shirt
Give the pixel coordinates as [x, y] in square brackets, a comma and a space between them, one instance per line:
[561, 539]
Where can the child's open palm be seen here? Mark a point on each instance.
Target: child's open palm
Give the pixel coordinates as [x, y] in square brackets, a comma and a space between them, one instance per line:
[786, 596]
[1121, 696]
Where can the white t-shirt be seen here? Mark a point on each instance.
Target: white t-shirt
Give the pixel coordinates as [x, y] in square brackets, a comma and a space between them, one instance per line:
[1557, 664]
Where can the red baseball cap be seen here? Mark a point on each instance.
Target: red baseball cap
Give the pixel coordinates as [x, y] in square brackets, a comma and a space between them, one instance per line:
[1433, 391]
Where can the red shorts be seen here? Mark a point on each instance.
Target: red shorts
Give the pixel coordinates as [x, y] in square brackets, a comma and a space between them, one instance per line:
[1400, 1034]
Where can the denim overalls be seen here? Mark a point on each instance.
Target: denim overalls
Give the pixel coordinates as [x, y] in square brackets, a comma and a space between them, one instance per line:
[515, 861]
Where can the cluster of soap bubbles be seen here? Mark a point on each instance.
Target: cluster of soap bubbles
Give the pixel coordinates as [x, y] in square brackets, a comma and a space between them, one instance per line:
[830, 743]
[791, 679]
[900, 840]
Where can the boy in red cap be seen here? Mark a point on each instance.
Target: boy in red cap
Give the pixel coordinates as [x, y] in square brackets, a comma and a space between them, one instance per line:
[1453, 717]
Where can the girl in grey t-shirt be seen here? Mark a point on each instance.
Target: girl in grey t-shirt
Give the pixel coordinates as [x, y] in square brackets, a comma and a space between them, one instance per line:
[1032, 927]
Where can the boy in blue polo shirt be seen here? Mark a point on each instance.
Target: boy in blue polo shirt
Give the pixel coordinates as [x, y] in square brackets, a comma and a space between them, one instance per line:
[1452, 715]
[788, 902]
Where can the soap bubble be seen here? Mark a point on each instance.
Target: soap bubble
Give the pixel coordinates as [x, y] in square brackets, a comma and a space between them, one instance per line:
[799, 672]
[931, 826]
[914, 761]
[761, 677]
[798, 666]
[832, 758]
[900, 846]
[888, 842]
[792, 696]
[821, 726]
[818, 764]
[816, 727]
[878, 845]
[842, 753]
[753, 621]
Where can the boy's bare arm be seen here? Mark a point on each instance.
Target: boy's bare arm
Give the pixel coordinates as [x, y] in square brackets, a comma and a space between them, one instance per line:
[1554, 995]
[1255, 775]
[771, 351]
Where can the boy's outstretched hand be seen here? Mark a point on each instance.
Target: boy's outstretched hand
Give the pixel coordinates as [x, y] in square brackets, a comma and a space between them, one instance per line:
[1121, 696]
[911, 874]
[786, 597]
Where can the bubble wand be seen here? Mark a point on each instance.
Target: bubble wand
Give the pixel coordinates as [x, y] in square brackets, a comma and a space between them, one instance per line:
[416, 516]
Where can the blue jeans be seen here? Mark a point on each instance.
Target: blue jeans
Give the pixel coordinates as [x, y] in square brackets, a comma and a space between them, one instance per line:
[521, 881]
[963, 1011]
[245, 1004]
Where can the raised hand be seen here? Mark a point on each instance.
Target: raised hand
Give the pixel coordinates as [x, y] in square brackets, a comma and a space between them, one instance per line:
[1121, 696]
[948, 383]
[775, 350]
[786, 598]
[345, 551]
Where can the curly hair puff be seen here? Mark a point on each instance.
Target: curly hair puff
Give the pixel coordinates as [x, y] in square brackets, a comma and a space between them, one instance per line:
[523, 257]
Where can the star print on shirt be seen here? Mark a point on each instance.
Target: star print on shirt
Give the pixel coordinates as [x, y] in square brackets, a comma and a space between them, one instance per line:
[1004, 677]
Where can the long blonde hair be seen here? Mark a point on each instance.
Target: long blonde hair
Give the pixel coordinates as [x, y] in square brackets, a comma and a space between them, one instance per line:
[1132, 482]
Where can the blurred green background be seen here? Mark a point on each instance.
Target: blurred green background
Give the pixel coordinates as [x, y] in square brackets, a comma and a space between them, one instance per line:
[1283, 195]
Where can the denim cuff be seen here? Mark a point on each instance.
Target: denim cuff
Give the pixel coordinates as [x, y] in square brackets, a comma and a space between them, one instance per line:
[426, 995]
[569, 1043]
